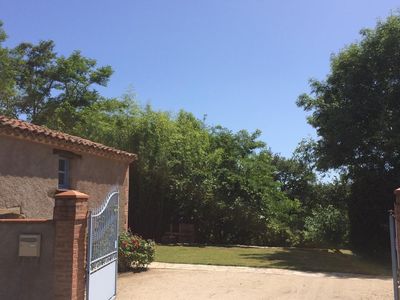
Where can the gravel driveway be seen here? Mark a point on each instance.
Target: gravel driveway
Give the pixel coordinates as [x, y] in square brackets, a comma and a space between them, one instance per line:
[175, 281]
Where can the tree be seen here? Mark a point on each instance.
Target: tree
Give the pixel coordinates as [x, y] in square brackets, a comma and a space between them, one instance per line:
[247, 205]
[46, 82]
[7, 78]
[220, 181]
[326, 226]
[296, 178]
[356, 112]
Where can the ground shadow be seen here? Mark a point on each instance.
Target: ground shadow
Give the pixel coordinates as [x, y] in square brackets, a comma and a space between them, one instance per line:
[196, 245]
[318, 260]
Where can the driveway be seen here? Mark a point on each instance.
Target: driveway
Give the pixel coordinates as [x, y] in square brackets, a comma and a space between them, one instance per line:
[176, 281]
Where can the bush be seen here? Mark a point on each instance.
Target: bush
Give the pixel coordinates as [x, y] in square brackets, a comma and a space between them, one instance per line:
[326, 227]
[134, 252]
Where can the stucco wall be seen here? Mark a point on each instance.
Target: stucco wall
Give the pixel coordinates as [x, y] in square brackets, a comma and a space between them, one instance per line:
[26, 277]
[29, 178]
[96, 176]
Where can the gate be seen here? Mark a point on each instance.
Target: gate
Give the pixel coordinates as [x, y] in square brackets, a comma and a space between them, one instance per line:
[102, 254]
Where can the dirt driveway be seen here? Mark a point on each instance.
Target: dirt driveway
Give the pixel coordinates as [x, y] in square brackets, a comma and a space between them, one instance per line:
[173, 281]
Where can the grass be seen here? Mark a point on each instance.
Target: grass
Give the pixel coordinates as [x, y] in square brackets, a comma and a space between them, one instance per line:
[321, 260]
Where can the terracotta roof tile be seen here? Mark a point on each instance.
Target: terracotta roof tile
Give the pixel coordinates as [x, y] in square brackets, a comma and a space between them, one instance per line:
[41, 134]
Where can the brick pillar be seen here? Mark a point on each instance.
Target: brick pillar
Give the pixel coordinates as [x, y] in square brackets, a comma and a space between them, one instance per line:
[70, 218]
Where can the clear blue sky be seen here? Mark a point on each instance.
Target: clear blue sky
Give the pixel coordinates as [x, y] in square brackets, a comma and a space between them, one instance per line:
[243, 63]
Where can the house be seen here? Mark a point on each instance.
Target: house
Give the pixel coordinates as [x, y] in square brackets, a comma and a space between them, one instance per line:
[36, 163]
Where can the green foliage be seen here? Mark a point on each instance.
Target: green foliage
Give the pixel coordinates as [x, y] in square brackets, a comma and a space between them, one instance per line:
[36, 82]
[134, 252]
[356, 112]
[188, 172]
[327, 227]
[297, 179]
[7, 78]
[322, 203]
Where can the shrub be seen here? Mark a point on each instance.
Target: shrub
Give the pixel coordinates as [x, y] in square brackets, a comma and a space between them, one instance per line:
[326, 227]
[134, 252]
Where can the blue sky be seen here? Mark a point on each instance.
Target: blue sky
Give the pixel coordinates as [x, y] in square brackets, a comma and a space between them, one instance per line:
[242, 63]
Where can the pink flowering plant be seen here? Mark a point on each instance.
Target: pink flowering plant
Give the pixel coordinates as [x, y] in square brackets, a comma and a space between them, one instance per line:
[134, 252]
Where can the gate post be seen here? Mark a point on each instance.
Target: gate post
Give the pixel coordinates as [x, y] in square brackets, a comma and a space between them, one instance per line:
[70, 219]
[397, 221]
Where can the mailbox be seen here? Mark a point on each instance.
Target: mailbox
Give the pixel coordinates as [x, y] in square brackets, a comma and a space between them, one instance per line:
[29, 245]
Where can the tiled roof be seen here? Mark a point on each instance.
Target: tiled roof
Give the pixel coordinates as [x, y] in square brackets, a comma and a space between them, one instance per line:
[41, 134]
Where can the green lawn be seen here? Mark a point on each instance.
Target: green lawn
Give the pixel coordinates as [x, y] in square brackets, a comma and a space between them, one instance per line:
[322, 260]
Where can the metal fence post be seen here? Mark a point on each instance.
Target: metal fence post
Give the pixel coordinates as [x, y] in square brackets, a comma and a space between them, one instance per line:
[394, 255]
[88, 252]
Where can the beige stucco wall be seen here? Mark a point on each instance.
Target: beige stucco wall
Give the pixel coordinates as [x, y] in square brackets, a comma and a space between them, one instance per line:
[96, 176]
[29, 178]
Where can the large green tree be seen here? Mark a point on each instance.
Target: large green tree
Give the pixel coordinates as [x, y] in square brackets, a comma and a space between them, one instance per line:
[356, 111]
[45, 87]
[247, 206]
[7, 78]
[47, 82]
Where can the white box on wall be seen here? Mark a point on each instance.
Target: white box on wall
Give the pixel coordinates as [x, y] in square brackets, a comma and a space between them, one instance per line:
[29, 245]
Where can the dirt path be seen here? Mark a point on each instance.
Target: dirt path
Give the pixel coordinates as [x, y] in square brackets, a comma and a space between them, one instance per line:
[174, 281]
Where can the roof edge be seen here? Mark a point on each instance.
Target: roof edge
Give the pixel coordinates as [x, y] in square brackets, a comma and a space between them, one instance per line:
[21, 130]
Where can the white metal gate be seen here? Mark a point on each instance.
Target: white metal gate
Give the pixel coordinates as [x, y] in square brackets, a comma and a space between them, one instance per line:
[102, 258]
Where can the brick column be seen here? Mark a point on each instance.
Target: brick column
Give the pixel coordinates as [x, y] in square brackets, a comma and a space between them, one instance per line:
[70, 218]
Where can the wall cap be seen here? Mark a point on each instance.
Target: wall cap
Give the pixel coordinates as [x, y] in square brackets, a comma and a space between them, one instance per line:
[71, 194]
